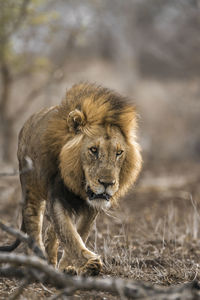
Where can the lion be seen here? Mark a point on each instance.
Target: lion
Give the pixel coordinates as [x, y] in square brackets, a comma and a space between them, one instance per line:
[85, 157]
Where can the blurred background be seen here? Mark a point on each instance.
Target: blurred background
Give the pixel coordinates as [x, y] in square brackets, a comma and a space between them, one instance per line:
[148, 50]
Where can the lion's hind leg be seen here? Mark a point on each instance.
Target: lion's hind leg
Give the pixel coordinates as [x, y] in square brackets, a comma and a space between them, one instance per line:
[33, 212]
[51, 245]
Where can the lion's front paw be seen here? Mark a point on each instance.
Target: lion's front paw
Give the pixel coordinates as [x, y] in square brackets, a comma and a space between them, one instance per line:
[70, 271]
[91, 268]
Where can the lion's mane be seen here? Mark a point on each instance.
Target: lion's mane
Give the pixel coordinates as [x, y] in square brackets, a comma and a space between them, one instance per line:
[85, 108]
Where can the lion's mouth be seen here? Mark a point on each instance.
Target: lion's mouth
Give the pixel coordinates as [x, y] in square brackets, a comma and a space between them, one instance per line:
[93, 196]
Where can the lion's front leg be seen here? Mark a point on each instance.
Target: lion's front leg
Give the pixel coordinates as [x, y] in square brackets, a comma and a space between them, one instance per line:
[86, 221]
[81, 260]
[92, 266]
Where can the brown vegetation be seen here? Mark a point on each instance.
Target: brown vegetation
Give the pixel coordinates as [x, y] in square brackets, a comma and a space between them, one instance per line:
[153, 237]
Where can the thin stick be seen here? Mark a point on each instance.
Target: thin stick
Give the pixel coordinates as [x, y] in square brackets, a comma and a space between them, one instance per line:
[23, 238]
[27, 169]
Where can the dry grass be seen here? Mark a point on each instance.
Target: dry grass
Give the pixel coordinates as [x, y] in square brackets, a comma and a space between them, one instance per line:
[153, 236]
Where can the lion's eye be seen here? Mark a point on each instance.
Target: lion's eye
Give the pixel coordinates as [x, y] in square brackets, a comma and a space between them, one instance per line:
[119, 152]
[94, 150]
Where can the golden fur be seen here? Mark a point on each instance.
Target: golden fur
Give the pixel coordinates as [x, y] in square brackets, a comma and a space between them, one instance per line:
[85, 156]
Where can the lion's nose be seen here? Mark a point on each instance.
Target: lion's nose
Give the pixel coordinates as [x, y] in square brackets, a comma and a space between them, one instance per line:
[106, 183]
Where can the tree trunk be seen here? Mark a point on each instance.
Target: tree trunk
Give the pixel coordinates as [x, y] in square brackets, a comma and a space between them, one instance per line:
[6, 122]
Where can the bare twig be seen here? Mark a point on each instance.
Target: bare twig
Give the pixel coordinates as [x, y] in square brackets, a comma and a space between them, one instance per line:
[28, 168]
[31, 97]
[35, 93]
[22, 15]
[23, 238]
[46, 289]
[7, 174]
[19, 20]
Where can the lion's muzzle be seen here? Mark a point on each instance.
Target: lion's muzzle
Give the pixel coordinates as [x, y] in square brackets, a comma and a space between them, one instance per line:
[92, 196]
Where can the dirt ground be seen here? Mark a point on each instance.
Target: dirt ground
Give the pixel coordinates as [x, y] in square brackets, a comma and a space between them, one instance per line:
[153, 236]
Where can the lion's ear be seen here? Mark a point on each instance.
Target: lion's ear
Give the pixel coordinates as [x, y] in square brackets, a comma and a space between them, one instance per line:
[76, 120]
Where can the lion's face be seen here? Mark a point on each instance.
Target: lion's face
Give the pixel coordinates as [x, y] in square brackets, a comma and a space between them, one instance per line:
[99, 158]
[102, 158]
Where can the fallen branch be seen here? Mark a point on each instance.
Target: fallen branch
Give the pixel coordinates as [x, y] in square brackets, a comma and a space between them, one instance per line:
[135, 290]
[12, 272]
[23, 238]
[57, 278]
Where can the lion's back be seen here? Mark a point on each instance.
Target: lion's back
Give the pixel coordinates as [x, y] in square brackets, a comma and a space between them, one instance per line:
[32, 132]
[30, 141]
